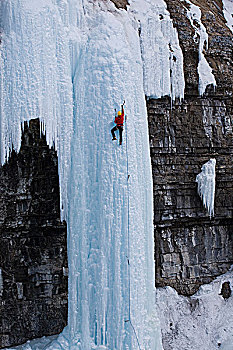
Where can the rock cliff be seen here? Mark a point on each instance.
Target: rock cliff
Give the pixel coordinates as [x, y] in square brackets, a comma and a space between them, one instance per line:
[191, 248]
[33, 253]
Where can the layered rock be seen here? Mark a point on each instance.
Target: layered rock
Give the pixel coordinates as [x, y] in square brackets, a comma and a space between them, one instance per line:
[33, 252]
[191, 248]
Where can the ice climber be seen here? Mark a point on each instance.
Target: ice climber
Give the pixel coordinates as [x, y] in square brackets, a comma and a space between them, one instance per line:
[119, 120]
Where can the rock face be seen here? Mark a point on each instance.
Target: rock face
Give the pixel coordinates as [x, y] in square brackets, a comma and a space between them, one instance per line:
[191, 248]
[120, 3]
[226, 290]
[33, 253]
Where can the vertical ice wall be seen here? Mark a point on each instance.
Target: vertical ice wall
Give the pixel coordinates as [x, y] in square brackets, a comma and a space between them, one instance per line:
[206, 185]
[206, 76]
[70, 63]
[161, 53]
[110, 215]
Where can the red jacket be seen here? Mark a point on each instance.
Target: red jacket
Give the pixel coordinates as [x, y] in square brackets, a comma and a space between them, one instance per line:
[119, 120]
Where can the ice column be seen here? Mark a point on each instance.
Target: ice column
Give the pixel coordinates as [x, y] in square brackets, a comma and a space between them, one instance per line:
[206, 185]
[110, 217]
[206, 76]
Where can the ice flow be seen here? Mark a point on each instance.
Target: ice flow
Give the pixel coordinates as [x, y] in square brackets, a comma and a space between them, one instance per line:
[71, 63]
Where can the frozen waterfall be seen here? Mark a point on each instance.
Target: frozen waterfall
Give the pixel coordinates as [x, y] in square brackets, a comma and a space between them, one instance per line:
[71, 63]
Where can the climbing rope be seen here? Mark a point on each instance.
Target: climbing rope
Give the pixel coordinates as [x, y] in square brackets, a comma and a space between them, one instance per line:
[128, 229]
[128, 176]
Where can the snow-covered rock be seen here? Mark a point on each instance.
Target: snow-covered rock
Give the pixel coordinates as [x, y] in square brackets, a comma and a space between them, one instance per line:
[203, 321]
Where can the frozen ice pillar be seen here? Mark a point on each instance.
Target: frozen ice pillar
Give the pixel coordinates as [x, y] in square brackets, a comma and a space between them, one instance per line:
[206, 185]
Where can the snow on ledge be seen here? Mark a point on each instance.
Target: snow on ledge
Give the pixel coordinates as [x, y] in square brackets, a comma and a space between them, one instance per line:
[206, 185]
[228, 12]
[206, 76]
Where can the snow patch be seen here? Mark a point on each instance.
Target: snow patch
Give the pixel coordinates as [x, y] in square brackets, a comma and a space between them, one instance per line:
[206, 185]
[161, 53]
[19, 287]
[206, 76]
[228, 12]
[203, 321]
[227, 344]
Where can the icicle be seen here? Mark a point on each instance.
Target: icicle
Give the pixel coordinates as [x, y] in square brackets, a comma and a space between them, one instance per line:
[1, 283]
[161, 53]
[206, 185]
[206, 76]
